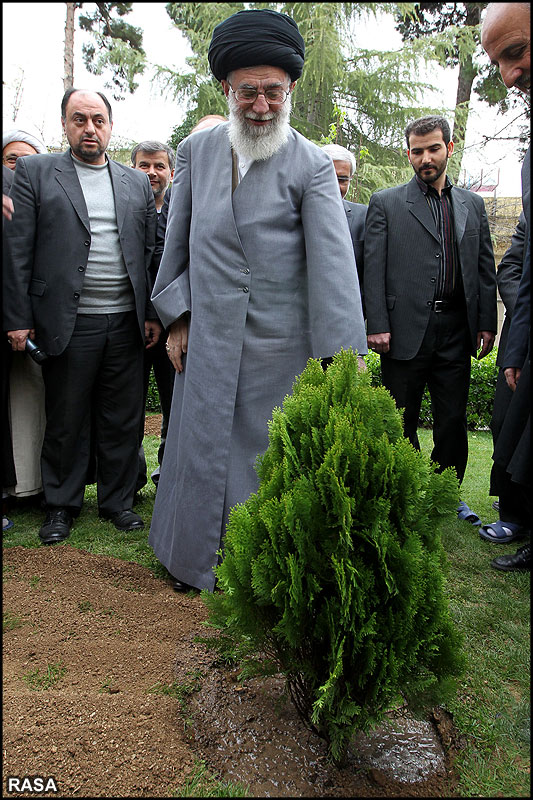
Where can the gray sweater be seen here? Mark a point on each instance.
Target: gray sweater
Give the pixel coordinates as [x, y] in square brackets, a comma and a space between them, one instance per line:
[107, 288]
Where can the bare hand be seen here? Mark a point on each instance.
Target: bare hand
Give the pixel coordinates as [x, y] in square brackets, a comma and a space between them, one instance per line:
[487, 337]
[152, 332]
[7, 206]
[361, 363]
[17, 339]
[380, 342]
[512, 375]
[178, 337]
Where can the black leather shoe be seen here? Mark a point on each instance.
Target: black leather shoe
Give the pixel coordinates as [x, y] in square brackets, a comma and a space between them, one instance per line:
[179, 586]
[56, 526]
[514, 562]
[126, 520]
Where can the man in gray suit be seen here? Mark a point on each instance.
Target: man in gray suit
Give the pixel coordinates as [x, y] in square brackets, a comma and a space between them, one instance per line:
[345, 165]
[76, 280]
[258, 275]
[430, 290]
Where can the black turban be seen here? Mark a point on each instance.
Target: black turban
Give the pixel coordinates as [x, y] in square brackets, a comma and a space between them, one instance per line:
[255, 37]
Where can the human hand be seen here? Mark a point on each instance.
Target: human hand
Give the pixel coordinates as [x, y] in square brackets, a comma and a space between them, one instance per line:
[152, 332]
[7, 206]
[512, 375]
[379, 342]
[487, 337]
[178, 337]
[17, 339]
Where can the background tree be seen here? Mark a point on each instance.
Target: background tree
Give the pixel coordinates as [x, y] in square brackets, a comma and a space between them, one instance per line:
[455, 30]
[68, 53]
[117, 46]
[375, 91]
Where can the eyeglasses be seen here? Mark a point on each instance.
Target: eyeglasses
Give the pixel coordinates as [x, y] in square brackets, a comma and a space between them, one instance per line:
[273, 96]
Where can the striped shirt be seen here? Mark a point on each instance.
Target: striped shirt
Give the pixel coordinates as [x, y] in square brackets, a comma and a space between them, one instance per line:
[449, 279]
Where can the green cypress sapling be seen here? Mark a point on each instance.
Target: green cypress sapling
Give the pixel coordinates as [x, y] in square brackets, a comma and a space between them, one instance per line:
[333, 572]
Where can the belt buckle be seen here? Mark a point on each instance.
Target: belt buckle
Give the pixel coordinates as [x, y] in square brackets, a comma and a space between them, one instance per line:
[438, 306]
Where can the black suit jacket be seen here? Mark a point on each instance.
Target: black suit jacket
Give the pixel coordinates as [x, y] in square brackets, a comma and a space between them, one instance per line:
[356, 216]
[520, 331]
[48, 244]
[508, 277]
[161, 229]
[402, 252]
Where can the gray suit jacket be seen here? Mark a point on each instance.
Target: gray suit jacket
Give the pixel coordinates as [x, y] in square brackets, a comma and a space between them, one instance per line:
[48, 245]
[402, 252]
[356, 215]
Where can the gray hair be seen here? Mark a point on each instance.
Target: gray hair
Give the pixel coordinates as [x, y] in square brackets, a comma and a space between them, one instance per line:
[338, 153]
[152, 146]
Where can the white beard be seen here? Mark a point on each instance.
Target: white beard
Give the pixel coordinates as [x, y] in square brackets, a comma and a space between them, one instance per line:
[257, 144]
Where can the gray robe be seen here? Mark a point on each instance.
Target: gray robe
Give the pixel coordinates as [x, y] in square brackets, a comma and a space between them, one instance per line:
[269, 277]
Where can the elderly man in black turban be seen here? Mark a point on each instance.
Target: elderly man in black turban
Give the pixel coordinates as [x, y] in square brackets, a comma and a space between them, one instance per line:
[257, 276]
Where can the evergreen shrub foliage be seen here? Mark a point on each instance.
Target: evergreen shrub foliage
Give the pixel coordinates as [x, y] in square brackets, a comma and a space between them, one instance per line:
[152, 397]
[333, 571]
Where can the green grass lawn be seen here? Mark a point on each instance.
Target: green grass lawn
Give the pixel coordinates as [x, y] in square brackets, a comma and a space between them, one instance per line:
[492, 609]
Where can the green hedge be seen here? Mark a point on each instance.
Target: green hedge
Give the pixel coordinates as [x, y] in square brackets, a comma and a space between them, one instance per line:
[480, 399]
[152, 398]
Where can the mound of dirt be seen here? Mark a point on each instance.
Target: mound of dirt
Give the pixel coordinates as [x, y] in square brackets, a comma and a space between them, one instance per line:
[107, 691]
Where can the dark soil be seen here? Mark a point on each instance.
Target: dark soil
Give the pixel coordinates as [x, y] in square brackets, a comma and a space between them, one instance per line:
[105, 729]
[117, 638]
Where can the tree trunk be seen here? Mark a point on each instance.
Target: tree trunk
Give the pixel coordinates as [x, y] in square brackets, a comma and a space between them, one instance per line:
[467, 73]
[68, 58]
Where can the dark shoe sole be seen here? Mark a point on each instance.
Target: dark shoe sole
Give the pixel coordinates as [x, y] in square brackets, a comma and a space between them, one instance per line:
[509, 568]
[54, 539]
[179, 586]
[133, 527]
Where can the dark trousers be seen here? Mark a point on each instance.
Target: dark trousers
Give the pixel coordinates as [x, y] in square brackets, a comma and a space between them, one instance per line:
[502, 398]
[510, 477]
[164, 373]
[443, 365]
[96, 382]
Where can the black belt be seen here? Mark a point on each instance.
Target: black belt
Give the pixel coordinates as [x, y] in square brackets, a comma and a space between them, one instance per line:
[443, 305]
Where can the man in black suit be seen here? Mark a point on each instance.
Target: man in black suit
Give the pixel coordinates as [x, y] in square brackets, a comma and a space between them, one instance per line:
[76, 280]
[505, 37]
[345, 166]
[508, 278]
[157, 160]
[430, 291]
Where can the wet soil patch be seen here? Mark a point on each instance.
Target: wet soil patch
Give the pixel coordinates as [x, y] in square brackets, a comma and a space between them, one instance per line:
[92, 646]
